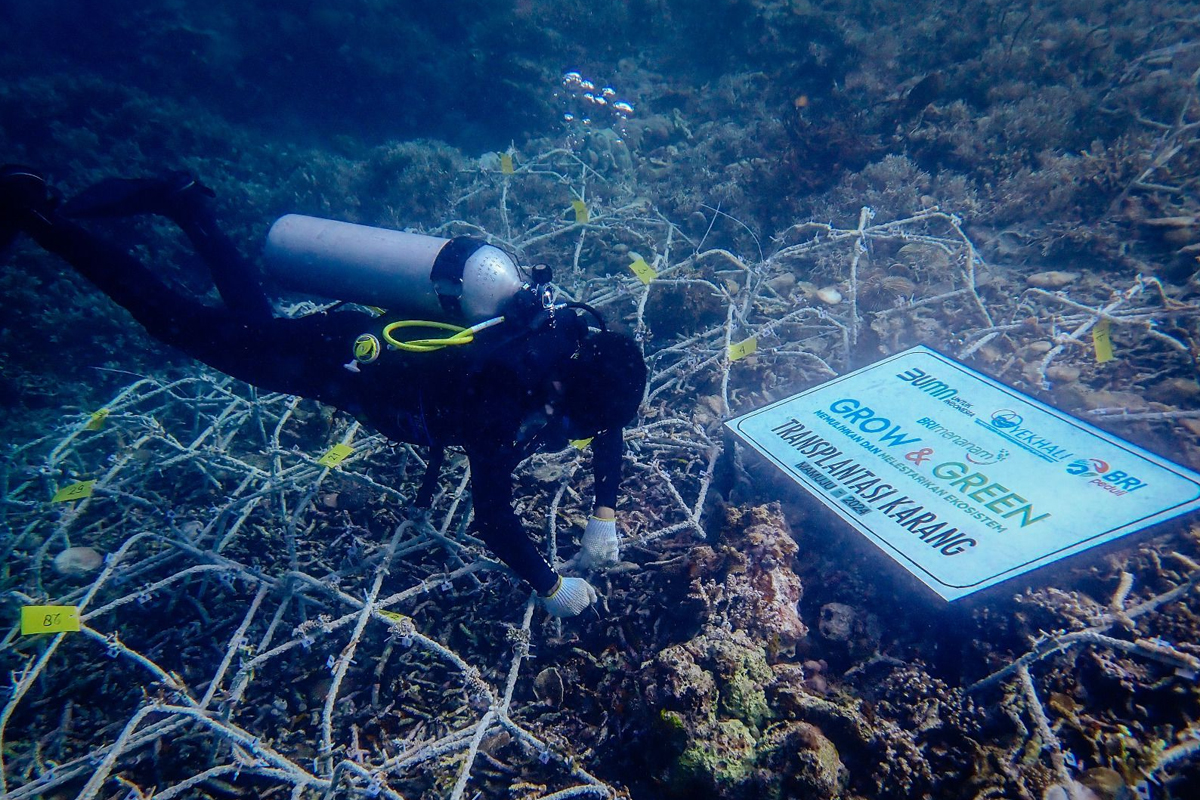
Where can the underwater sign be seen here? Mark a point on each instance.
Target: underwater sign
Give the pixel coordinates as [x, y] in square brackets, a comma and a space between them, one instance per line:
[962, 480]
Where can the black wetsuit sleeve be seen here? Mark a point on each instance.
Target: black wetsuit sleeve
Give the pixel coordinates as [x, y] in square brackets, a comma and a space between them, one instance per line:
[606, 466]
[491, 490]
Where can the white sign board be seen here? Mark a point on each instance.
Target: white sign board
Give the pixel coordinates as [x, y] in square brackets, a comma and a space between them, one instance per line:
[961, 479]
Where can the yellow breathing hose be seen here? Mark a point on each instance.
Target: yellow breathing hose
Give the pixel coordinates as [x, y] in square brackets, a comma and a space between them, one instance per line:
[460, 335]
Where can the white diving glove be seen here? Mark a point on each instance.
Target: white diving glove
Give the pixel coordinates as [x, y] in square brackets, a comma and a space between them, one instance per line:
[599, 547]
[569, 597]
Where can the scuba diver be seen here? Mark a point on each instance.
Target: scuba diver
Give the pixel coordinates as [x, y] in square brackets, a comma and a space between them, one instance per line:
[532, 374]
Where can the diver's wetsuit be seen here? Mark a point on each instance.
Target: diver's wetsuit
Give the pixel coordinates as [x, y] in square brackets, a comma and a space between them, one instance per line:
[490, 397]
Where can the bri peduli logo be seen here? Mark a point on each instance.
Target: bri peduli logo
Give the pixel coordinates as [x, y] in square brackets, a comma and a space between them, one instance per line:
[1114, 481]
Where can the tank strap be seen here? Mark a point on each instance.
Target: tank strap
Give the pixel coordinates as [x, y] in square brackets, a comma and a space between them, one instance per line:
[447, 272]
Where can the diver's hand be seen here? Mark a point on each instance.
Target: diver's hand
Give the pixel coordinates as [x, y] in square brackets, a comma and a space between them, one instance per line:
[599, 547]
[569, 596]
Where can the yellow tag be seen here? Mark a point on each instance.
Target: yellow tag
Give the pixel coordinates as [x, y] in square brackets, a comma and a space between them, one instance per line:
[394, 617]
[1102, 341]
[644, 271]
[581, 211]
[579, 444]
[97, 420]
[335, 455]
[743, 348]
[506, 165]
[49, 619]
[76, 491]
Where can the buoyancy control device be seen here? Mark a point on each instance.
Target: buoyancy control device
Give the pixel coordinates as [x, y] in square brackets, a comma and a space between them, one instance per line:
[461, 280]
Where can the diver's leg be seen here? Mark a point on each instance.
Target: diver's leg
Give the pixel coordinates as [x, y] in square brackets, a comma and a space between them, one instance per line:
[302, 356]
[167, 315]
[28, 204]
[185, 201]
[235, 277]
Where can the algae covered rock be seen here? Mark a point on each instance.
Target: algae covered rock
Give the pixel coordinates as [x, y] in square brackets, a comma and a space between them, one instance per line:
[713, 692]
[719, 757]
[800, 761]
[682, 684]
[742, 671]
[718, 673]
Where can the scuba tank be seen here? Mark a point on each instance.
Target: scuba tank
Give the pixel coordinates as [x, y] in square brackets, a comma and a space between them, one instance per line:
[460, 280]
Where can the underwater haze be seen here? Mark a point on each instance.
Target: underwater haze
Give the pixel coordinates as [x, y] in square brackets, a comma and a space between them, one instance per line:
[236, 594]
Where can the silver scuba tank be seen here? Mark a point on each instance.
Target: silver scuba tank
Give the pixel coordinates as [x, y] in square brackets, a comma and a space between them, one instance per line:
[458, 280]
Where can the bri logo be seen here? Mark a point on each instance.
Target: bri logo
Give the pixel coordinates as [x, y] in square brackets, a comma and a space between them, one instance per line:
[1087, 467]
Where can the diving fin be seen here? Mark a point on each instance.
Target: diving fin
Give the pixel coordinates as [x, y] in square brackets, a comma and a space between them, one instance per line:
[124, 197]
[22, 192]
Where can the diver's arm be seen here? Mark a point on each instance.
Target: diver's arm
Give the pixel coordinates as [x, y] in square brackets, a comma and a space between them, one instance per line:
[599, 546]
[607, 448]
[491, 490]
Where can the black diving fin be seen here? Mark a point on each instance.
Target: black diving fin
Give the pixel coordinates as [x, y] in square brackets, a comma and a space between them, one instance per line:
[22, 191]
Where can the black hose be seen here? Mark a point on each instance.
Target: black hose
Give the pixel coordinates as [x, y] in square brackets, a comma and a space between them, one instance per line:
[590, 310]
